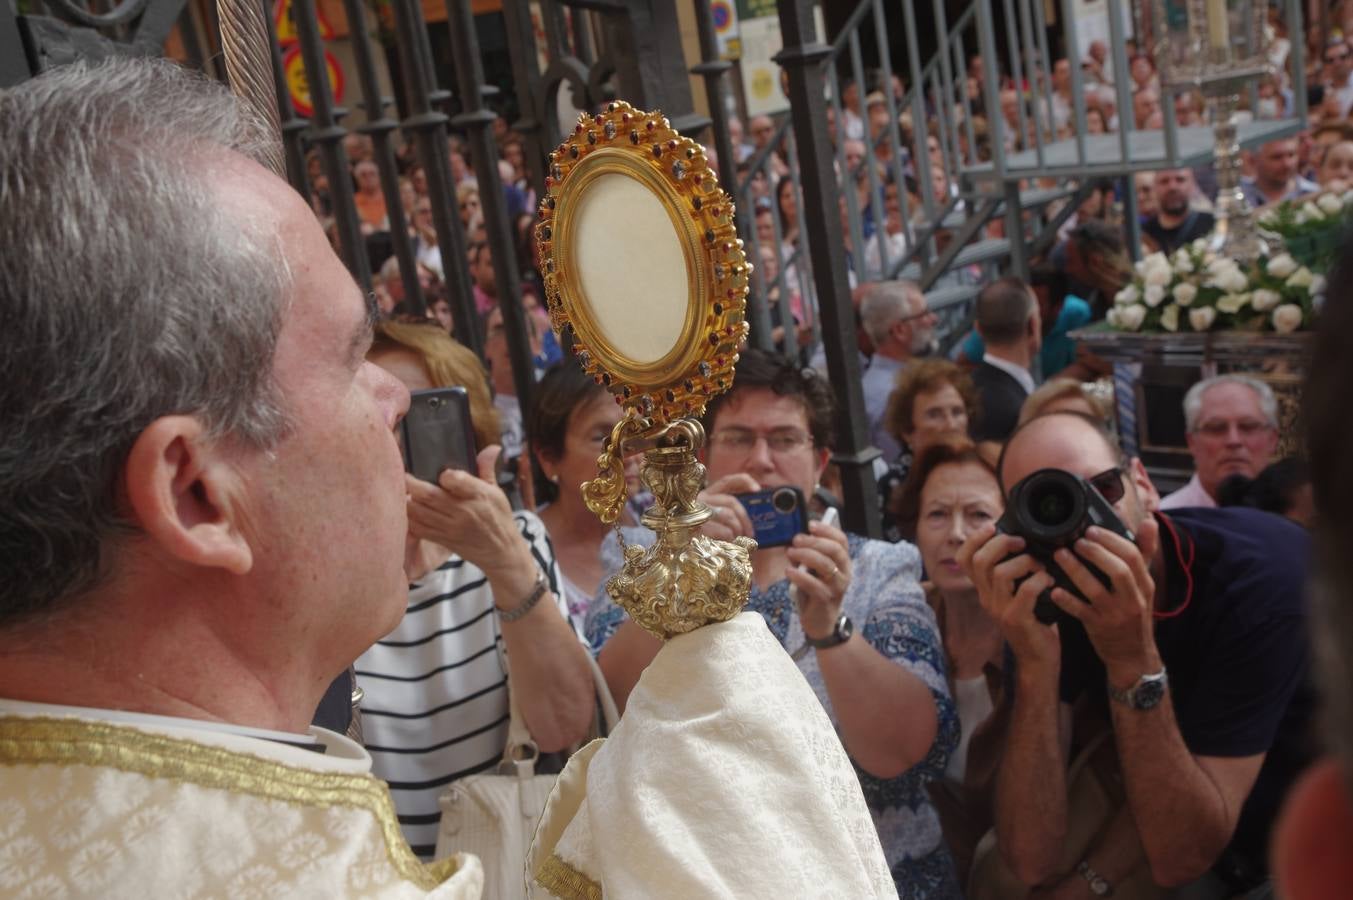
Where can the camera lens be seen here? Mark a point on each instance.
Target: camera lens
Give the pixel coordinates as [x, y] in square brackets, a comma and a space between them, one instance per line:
[784, 500]
[1051, 505]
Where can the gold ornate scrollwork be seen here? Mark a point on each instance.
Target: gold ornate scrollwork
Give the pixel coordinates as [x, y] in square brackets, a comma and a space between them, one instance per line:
[605, 494]
[685, 580]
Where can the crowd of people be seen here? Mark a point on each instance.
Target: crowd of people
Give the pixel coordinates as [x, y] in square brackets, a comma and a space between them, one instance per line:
[216, 544]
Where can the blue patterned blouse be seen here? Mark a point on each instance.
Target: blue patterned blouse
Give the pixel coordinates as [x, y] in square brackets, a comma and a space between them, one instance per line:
[886, 604]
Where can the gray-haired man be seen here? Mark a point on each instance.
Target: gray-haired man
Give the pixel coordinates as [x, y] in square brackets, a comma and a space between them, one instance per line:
[202, 509]
[895, 316]
[1232, 423]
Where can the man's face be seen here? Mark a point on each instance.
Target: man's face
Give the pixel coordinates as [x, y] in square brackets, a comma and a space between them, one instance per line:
[765, 228]
[1146, 194]
[324, 510]
[763, 129]
[854, 153]
[1277, 163]
[1061, 75]
[764, 415]
[1231, 437]
[919, 324]
[1338, 63]
[1010, 106]
[1073, 445]
[483, 270]
[1173, 189]
[368, 177]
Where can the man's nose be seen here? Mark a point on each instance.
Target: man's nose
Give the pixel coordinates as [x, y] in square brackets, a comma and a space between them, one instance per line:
[761, 455]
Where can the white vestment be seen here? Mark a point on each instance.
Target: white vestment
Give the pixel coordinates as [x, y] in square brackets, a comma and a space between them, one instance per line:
[113, 805]
[723, 779]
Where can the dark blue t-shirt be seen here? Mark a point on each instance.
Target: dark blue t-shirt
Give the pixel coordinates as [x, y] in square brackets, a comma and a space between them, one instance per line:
[1237, 653]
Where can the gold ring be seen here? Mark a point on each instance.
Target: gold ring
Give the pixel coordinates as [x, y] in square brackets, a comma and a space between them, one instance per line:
[836, 570]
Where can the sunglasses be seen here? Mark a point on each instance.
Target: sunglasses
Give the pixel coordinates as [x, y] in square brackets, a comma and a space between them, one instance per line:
[1110, 484]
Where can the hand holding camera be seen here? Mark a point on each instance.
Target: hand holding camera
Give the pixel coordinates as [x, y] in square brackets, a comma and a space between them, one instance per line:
[1061, 551]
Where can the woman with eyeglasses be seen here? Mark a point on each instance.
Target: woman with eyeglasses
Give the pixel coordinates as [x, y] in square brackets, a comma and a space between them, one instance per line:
[952, 493]
[849, 609]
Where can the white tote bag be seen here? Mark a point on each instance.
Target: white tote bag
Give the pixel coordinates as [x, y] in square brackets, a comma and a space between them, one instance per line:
[494, 814]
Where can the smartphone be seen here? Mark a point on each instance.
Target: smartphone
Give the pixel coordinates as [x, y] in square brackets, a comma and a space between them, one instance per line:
[777, 515]
[437, 434]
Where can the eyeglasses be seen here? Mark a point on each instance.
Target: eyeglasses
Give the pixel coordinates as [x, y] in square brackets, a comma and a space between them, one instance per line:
[1110, 484]
[743, 440]
[1220, 428]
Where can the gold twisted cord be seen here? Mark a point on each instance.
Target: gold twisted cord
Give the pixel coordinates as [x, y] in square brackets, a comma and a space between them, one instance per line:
[248, 57]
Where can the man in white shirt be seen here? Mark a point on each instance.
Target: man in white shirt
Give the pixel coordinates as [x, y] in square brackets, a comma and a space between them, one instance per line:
[203, 505]
[895, 316]
[1339, 73]
[1232, 425]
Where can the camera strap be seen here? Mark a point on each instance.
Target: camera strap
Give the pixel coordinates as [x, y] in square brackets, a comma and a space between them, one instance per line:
[1185, 564]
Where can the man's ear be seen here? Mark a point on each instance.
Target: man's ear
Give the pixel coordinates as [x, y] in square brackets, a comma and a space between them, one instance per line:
[184, 495]
[1146, 490]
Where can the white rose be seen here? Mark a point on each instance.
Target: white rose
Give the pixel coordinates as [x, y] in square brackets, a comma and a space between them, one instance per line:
[1201, 243]
[1184, 293]
[1232, 303]
[1183, 263]
[1153, 294]
[1330, 204]
[1130, 318]
[1317, 285]
[1202, 318]
[1169, 320]
[1268, 220]
[1281, 266]
[1347, 198]
[1287, 318]
[1158, 270]
[1235, 281]
[1311, 211]
[1264, 299]
[1113, 318]
[1301, 278]
[1126, 296]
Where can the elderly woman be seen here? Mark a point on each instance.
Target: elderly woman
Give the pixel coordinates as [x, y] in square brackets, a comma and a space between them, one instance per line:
[952, 493]
[934, 400]
[851, 611]
[480, 577]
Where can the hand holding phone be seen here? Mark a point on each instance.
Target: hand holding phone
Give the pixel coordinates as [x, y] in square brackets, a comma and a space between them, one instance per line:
[437, 434]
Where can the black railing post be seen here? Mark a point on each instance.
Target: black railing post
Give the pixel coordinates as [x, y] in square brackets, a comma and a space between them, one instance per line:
[802, 57]
[293, 126]
[477, 121]
[429, 131]
[328, 134]
[380, 126]
[13, 59]
[711, 68]
[530, 124]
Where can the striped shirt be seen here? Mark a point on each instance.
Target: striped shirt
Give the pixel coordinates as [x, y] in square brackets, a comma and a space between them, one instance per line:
[436, 687]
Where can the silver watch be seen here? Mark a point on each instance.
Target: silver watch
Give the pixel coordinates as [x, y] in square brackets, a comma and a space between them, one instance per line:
[1146, 693]
[1099, 885]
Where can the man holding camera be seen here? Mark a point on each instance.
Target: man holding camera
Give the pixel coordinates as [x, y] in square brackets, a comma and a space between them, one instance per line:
[1191, 649]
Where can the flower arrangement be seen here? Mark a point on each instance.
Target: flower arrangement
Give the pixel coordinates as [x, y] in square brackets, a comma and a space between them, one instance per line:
[1311, 227]
[1195, 290]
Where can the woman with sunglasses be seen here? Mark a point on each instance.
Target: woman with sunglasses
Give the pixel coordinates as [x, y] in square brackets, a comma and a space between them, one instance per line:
[849, 610]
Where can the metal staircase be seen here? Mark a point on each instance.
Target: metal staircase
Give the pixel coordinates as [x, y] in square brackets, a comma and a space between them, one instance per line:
[1032, 188]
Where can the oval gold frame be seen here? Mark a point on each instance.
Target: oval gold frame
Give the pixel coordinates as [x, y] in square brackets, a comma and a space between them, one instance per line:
[643, 146]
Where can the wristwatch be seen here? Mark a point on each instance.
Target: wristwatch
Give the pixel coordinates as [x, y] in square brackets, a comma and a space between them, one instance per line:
[1148, 691]
[841, 633]
[1099, 885]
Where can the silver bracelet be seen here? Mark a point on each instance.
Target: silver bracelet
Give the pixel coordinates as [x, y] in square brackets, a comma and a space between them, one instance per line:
[512, 615]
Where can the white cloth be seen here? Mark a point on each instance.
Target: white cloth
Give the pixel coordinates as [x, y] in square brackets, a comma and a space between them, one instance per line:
[724, 778]
[1017, 372]
[1190, 495]
[119, 805]
[436, 687]
[973, 699]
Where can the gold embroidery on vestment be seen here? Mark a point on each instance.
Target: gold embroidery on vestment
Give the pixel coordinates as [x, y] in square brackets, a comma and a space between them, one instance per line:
[566, 882]
[52, 741]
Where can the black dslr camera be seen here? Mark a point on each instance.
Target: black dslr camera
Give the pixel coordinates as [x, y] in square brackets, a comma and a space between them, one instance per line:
[1052, 509]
